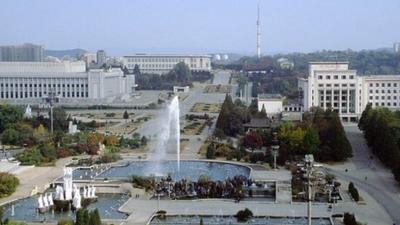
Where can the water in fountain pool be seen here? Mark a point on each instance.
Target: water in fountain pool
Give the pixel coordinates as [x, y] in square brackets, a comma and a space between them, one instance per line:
[188, 169]
[25, 209]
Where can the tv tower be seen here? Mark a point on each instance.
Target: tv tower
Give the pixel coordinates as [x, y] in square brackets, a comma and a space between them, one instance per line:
[258, 32]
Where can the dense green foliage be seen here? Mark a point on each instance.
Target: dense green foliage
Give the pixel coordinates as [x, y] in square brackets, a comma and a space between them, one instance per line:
[244, 215]
[321, 133]
[349, 219]
[354, 192]
[232, 116]
[8, 184]
[9, 116]
[381, 128]
[65, 222]
[86, 217]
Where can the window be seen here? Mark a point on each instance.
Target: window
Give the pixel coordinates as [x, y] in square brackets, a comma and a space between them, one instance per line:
[336, 77]
[352, 77]
[376, 85]
[376, 97]
[383, 84]
[382, 97]
[389, 84]
[394, 84]
[370, 97]
[383, 91]
[371, 85]
[344, 85]
[344, 77]
[328, 77]
[370, 91]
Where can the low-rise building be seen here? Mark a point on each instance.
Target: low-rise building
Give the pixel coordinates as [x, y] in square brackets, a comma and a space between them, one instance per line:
[69, 80]
[161, 64]
[272, 103]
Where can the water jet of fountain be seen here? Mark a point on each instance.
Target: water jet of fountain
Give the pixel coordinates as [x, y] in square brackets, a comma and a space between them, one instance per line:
[168, 138]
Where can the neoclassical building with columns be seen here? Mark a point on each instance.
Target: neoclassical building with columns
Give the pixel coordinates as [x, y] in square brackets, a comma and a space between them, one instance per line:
[333, 85]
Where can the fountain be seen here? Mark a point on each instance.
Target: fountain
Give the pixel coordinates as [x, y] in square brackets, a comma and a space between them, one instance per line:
[169, 137]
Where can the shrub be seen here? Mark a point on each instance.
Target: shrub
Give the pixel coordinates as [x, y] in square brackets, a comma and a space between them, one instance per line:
[63, 153]
[244, 215]
[210, 152]
[354, 192]
[65, 222]
[108, 158]
[349, 219]
[8, 184]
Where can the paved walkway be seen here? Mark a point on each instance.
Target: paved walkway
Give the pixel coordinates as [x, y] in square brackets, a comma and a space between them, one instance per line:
[142, 209]
[39, 177]
[380, 184]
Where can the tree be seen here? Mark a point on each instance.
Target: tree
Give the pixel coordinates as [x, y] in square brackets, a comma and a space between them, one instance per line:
[311, 141]
[143, 141]
[253, 140]
[262, 113]
[9, 136]
[349, 219]
[126, 116]
[110, 140]
[362, 123]
[60, 121]
[8, 184]
[9, 115]
[210, 151]
[201, 221]
[136, 70]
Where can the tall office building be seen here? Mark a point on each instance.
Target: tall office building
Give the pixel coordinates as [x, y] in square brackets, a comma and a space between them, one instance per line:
[332, 85]
[101, 57]
[22, 53]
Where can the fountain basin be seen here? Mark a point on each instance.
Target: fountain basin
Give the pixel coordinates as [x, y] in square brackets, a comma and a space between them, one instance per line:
[189, 169]
[26, 209]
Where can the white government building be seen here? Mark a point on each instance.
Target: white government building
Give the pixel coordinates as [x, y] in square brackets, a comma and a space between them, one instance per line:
[161, 64]
[69, 80]
[333, 85]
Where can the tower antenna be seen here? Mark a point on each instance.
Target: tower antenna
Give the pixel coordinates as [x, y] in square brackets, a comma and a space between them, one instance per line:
[258, 32]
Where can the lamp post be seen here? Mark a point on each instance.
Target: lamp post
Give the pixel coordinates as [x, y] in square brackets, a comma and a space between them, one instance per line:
[275, 147]
[50, 100]
[309, 160]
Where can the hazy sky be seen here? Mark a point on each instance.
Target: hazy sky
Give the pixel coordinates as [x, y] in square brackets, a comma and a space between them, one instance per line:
[200, 26]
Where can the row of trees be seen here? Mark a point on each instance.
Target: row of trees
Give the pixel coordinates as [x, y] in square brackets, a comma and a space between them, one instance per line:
[180, 75]
[381, 128]
[231, 118]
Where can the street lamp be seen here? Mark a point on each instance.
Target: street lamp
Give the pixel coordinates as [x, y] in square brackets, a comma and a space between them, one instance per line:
[50, 100]
[275, 147]
[309, 160]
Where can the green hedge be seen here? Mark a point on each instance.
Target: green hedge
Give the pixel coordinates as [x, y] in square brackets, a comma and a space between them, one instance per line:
[8, 184]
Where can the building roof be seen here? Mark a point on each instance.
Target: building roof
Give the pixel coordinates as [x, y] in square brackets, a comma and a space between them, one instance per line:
[166, 55]
[270, 97]
[329, 62]
[258, 123]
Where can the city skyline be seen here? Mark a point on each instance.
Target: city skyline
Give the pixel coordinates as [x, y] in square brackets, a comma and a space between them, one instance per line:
[175, 26]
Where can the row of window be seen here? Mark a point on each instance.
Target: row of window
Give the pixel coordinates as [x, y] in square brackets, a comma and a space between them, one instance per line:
[388, 104]
[174, 60]
[335, 77]
[383, 91]
[44, 85]
[383, 97]
[336, 85]
[36, 94]
[383, 84]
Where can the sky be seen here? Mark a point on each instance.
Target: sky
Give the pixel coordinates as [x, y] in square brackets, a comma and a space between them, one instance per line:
[200, 26]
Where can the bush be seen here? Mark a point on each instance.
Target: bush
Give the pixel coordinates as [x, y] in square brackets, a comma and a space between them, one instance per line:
[8, 184]
[354, 192]
[349, 219]
[30, 157]
[210, 152]
[65, 222]
[244, 215]
[108, 158]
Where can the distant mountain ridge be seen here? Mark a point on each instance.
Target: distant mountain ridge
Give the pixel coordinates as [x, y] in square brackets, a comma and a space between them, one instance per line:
[74, 53]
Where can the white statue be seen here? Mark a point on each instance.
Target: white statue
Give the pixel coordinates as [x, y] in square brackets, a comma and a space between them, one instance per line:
[45, 202]
[28, 112]
[68, 183]
[50, 199]
[76, 202]
[85, 192]
[93, 191]
[59, 193]
[89, 192]
[40, 202]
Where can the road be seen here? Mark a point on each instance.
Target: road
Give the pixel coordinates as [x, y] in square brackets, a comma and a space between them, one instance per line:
[370, 175]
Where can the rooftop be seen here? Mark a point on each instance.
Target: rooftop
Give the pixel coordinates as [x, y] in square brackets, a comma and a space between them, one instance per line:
[166, 55]
[270, 96]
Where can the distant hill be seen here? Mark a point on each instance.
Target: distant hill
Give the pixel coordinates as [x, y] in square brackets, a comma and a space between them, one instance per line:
[74, 53]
